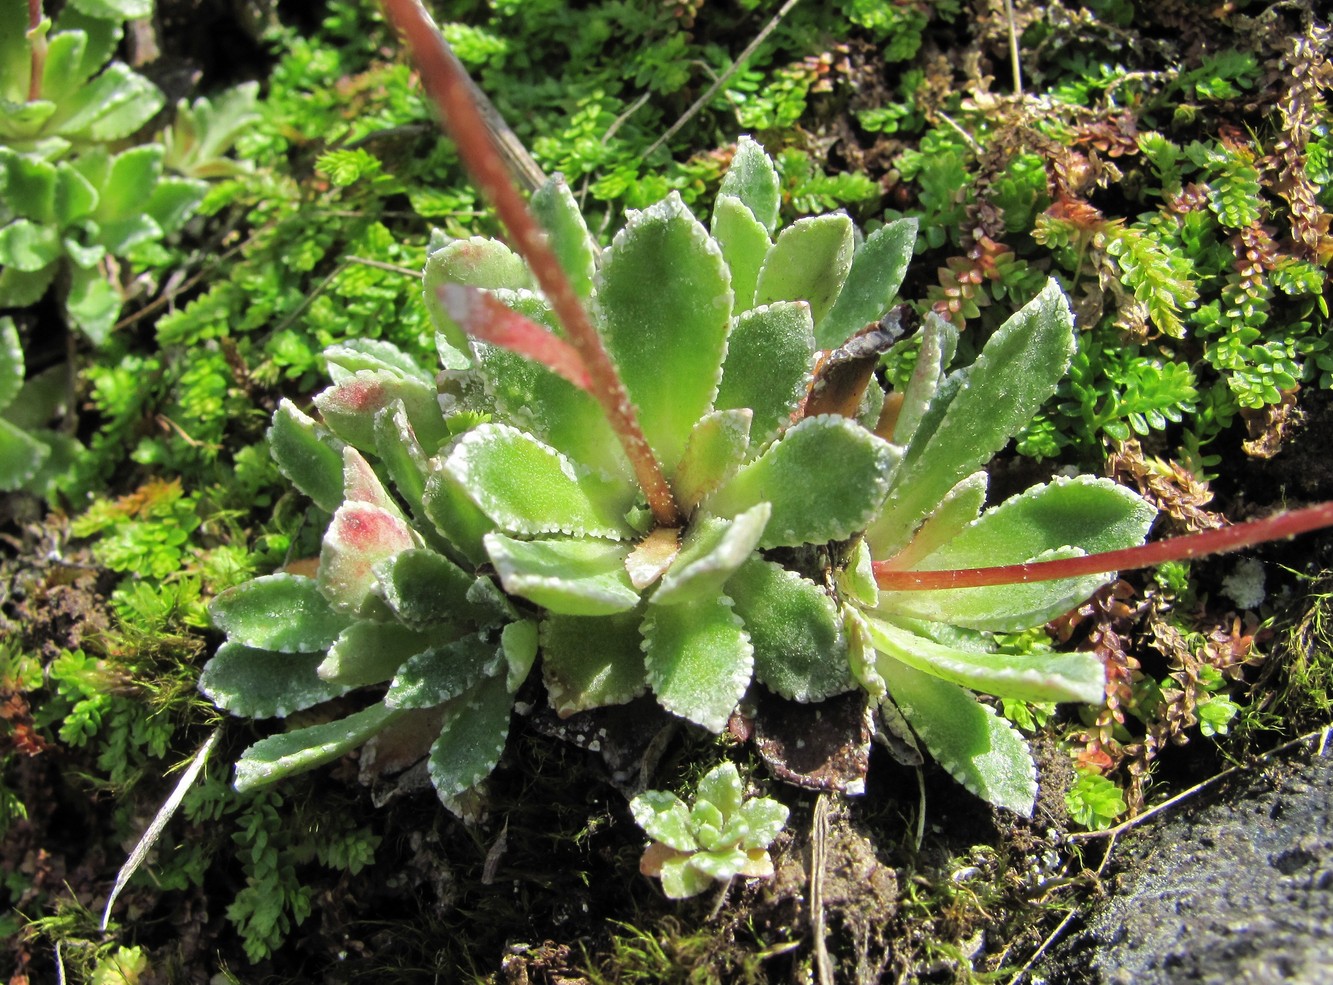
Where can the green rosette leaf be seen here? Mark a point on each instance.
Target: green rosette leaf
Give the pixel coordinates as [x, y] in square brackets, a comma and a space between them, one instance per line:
[567, 234]
[665, 818]
[371, 652]
[353, 356]
[939, 340]
[474, 262]
[745, 244]
[308, 454]
[960, 506]
[753, 180]
[21, 456]
[808, 262]
[712, 552]
[569, 575]
[757, 822]
[255, 683]
[699, 659]
[1028, 677]
[996, 397]
[592, 662]
[825, 478]
[299, 750]
[349, 407]
[360, 537]
[518, 643]
[281, 612]
[770, 356]
[1067, 517]
[528, 487]
[663, 302]
[401, 455]
[681, 879]
[721, 786]
[442, 673]
[452, 512]
[795, 629]
[472, 739]
[716, 449]
[980, 750]
[877, 271]
[424, 589]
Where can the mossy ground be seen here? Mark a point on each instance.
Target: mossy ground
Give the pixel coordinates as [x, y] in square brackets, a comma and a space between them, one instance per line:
[882, 109]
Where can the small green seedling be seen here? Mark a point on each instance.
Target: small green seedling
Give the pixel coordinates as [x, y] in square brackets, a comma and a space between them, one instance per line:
[722, 835]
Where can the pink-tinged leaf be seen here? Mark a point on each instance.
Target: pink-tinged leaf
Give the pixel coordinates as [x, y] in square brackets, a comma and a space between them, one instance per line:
[1277, 527]
[359, 537]
[485, 318]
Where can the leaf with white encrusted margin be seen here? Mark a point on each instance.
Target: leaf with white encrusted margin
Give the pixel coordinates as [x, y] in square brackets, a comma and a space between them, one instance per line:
[825, 477]
[770, 356]
[757, 822]
[518, 643]
[1047, 676]
[808, 262]
[472, 739]
[361, 484]
[872, 283]
[279, 612]
[699, 659]
[350, 356]
[665, 818]
[753, 179]
[474, 262]
[570, 575]
[745, 244]
[663, 304]
[960, 506]
[716, 448]
[455, 516]
[980, 750]
[308, 454]
[544, 403]
[255, 683]
[1066, 517]
[567, 234]
[592, 661]
[939, 340]
[349, 407]
[302, 749]
[712, 552]
[442, 673]
[681, 879]
[528, 487]
[423, 587]
[856, 579]
[1018, 368]
[401, 455]
[795, 629]
[11, 362]
[359, 537]
[371, 652]
[721, 786]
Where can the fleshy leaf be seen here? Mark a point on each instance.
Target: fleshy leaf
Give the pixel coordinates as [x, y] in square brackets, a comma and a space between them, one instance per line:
[458, 519]
[665, 818]
[745, 244]
[474, 262]
[769, 359]
[715, 450]
[569, 575]
[960, 506]
[441, 673]
[472, 740]
[825, 477]
[1028, 677]
[279, 612]
[308, 454]
[980, 750]
[663, 302]
[351, 356]
[856, 580]
[482, 316]
[721, 787]
[518, 643]
[808, 262]
[699, 659]
[872, 283]
[753, 179]
[401, 454]
[591, 662]
[371, 652]
[939, 339]
[21, 456]
[712, 551]
[1085, 514]
[349, 407]
[794, 627]
[652, 556]
[280, 756]
[681, 880]
[362, 485]
[528, 487]
[11, 362]
[424, 588]
[999, 394]
[763, 820]
[554, 207]
[360, 536]
[255, 683]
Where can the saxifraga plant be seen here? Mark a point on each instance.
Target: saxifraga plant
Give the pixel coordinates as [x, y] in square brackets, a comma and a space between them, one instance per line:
[632, 466]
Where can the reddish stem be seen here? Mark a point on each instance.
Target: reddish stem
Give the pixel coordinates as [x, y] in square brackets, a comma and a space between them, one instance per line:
[38, 51]
[1276, 527]
[447, 86]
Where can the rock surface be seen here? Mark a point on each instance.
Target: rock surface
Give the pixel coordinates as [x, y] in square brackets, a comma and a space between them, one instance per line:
[1237, 889]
